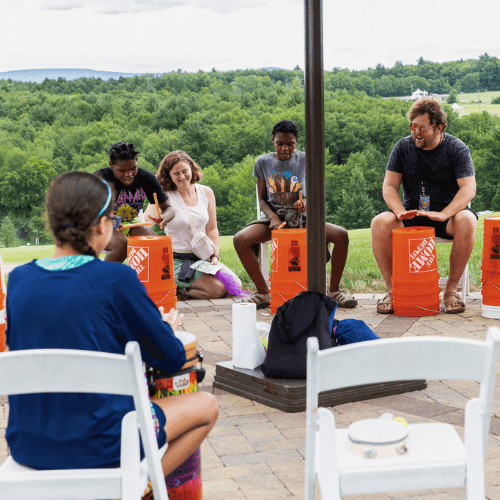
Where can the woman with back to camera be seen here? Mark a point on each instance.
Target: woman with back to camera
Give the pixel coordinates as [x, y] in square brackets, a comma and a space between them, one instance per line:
[178, 175]
[73, 300]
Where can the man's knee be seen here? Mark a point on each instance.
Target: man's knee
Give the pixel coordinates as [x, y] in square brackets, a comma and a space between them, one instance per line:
[383, 223]
[463, 225]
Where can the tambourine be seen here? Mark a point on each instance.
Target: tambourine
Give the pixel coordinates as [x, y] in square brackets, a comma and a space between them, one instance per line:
[377, 438]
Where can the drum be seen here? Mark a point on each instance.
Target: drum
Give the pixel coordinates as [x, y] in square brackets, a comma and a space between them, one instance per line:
[378, 438]
[184, 483]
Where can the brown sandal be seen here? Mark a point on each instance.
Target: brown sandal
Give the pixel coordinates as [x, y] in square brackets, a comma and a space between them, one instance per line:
[343, 298]
[384, 306]
[450, 299]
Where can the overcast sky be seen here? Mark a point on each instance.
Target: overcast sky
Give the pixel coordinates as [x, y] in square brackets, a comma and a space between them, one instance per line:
[157, 36]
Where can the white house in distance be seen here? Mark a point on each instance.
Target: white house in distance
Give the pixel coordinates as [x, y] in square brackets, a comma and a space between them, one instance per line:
[419, 93]
[457, 107]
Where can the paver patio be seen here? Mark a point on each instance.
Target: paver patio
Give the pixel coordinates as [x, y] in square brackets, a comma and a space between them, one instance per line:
[256, 452]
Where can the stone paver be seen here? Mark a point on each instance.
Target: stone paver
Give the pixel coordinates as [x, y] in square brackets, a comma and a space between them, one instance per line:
[256, 452]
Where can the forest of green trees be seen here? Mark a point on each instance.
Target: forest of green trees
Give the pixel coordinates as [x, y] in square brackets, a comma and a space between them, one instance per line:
[223, 120]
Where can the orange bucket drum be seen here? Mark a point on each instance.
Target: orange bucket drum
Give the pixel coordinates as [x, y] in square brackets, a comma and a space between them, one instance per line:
[490, 268]
[184, 483]
[152, 259]
[415, 277]
[288, 265]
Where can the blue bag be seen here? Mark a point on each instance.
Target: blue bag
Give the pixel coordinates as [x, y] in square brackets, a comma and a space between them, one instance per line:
[349, 331]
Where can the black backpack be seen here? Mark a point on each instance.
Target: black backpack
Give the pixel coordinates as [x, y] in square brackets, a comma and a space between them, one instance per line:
[307, 314]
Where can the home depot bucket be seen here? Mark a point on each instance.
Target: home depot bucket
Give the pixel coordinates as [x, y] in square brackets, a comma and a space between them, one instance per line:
[415, 277]
[288, 265]
[490, 268]
[184, 483]
[491, 243]
[414, 254]
[283, 291]
[152, 259]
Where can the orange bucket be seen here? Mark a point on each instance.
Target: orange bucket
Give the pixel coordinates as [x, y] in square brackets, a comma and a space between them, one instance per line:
[152, 259]
[283, 291]
[415, 277]
[289, 255]
[288, 265]
[491, 243]
[414, 257]
[2, 336]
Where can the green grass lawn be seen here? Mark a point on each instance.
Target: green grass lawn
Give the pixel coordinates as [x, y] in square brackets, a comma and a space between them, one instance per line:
[361, 273]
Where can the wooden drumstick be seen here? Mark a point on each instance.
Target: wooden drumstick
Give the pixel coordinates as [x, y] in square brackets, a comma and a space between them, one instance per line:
[282, 225]
[136, 224]
[300, 196]
[157, 206]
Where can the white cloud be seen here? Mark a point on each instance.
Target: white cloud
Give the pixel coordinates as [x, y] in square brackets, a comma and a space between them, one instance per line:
[166, 35]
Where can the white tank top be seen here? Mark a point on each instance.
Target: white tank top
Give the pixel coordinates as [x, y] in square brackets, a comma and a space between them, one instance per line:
[178, 228]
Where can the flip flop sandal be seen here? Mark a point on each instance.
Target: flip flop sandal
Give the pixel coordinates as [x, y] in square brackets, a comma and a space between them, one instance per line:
[343, 299]
[261, 300]
[386, 301]
[452, 298]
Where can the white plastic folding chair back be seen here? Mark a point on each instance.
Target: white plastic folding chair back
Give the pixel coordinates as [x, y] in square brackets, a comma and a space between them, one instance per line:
[60, 370]
[436, 457]
[264, 254]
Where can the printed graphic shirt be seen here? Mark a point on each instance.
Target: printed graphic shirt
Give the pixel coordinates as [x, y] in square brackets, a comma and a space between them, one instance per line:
[130, 199]
[284, 179]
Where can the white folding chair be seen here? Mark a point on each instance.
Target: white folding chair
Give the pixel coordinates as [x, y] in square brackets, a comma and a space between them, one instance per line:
[436, 457]
[264, 253]
[60, 370]
[464, 280]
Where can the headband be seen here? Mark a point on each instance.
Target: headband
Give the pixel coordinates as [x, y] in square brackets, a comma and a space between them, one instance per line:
[107, 201]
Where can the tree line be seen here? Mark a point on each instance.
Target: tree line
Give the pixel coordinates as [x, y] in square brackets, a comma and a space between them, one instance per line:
[223, 120]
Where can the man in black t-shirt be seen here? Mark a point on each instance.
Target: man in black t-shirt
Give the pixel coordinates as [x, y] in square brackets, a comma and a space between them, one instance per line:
[438, 179]
[132, 186]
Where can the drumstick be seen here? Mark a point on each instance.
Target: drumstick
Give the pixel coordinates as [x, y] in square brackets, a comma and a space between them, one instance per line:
[157, 206]
[138, 224]
[300, 196]
[283, 224]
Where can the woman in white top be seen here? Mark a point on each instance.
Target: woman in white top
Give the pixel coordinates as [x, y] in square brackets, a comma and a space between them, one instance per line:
[178, 175]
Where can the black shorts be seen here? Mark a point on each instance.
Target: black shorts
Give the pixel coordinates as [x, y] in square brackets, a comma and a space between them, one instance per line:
[439, 227]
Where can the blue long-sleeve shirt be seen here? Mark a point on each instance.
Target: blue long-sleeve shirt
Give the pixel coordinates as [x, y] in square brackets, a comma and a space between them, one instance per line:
[99, 306]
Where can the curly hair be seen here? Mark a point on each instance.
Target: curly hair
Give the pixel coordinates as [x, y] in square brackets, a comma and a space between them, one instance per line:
[169, 162]
[437, 116]
[122, 151]
[74, 202]
[286, 127]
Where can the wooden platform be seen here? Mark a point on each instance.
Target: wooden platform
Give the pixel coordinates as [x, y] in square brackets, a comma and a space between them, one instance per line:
[289, 395]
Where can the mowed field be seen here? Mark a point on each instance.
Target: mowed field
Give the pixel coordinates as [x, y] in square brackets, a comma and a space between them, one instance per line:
[472, 103]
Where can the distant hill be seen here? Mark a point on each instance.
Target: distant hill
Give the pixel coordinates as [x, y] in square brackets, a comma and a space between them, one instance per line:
[39, 75]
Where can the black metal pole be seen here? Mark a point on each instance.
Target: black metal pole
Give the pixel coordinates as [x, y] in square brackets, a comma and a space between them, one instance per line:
[315, 148]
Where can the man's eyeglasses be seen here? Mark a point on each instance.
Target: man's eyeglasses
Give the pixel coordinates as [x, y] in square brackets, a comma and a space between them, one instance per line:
[423, 128]
[116, 221]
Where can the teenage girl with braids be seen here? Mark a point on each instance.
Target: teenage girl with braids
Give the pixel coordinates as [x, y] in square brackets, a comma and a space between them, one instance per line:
[132, 185]
[73, 300]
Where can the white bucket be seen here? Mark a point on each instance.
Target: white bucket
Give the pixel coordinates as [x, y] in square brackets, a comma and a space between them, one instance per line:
[490, 311]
